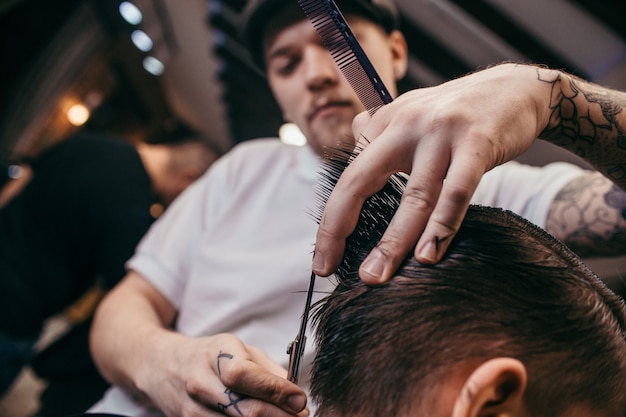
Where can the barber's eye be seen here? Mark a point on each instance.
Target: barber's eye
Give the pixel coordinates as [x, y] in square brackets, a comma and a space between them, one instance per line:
[287, 66]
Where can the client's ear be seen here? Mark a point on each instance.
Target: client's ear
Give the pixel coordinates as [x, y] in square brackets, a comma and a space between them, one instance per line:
[494, 389]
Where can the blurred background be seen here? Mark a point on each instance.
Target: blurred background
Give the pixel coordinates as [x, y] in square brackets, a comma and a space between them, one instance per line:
[148, 69]
[144, 67]
[153, 69]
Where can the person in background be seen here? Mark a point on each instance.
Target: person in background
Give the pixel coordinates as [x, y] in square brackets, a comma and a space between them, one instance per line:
[70, 219]
[509, 322]
[200, 323]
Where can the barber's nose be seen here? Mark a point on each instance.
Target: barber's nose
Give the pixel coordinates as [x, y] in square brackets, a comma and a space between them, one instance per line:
[320, 69]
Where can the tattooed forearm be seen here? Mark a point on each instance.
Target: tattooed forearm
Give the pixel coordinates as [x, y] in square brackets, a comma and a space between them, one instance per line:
[589, 215]
[588, 120]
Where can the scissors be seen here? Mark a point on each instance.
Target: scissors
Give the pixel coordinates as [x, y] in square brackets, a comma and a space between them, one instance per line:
[295, 349]
[356, 66]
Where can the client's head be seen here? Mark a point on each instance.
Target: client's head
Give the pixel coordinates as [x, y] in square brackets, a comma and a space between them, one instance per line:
[510, 322]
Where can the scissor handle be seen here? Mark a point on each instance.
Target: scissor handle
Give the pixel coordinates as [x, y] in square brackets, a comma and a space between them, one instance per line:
[295, 350]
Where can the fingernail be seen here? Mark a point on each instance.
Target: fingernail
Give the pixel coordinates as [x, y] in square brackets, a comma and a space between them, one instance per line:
[296, 402]
[373, 267]
[318, 262]
[428, 253]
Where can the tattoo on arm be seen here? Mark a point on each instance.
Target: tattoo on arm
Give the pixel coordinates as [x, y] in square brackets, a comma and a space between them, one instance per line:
[616, 198]
[589, 215]
[588, 120]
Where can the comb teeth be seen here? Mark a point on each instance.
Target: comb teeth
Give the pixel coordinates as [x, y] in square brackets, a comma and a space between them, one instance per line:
[347, 53]
[376, 213]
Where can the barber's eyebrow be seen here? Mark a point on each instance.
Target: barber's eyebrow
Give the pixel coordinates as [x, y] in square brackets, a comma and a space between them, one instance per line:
[290, 49]
[278, 52]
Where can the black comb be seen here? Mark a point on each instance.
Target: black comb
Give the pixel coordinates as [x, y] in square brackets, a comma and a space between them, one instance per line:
[347, 53]
[360, 73]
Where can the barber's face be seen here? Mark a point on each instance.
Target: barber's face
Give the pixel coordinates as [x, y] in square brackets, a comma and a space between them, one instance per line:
[309, 87]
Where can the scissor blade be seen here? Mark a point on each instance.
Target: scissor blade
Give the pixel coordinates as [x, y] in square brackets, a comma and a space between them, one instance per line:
[296, 347]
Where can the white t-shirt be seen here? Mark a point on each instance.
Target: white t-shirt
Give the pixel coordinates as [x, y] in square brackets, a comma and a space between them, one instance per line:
[233, 252]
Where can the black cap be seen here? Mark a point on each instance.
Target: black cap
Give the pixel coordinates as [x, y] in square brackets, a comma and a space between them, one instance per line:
[257, 13]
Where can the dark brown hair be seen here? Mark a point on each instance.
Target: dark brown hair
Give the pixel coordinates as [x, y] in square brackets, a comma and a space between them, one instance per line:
[505, 288]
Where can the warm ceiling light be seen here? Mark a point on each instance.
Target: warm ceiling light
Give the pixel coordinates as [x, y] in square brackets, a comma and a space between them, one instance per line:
[290, 134]
[141, 40]
[153, 65]
[130, 13]
[78, 114]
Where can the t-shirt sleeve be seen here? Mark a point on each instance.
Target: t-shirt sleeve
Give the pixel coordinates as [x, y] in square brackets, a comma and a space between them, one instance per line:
[526, 190]
[165, 253]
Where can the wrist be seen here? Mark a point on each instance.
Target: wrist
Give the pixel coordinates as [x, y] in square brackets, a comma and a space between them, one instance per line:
[562, 108]
[156, 359]
[548, 96]
[540, 89]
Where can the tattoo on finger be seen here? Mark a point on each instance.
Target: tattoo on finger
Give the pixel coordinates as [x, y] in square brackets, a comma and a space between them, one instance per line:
[233, 401]
[221, 356]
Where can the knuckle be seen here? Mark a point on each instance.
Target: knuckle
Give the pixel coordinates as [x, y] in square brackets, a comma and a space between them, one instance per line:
[327, 233]
[418, 200]
[273, 389]
[233, 373]
[449, 121]
[449, 226]
[446, 225]
[390, 248]
[268, 386]
[274, 392]
[458, 194]
[193, 386]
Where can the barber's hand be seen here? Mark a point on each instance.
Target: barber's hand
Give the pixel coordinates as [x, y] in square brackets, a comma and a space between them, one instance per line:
[217, 376]
[446, 137]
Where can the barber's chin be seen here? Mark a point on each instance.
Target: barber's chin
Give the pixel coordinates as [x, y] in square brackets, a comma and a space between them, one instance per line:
[338, 128]
[335, 115]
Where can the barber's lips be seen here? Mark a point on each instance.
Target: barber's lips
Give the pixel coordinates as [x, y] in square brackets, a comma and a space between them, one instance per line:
[329, 110]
